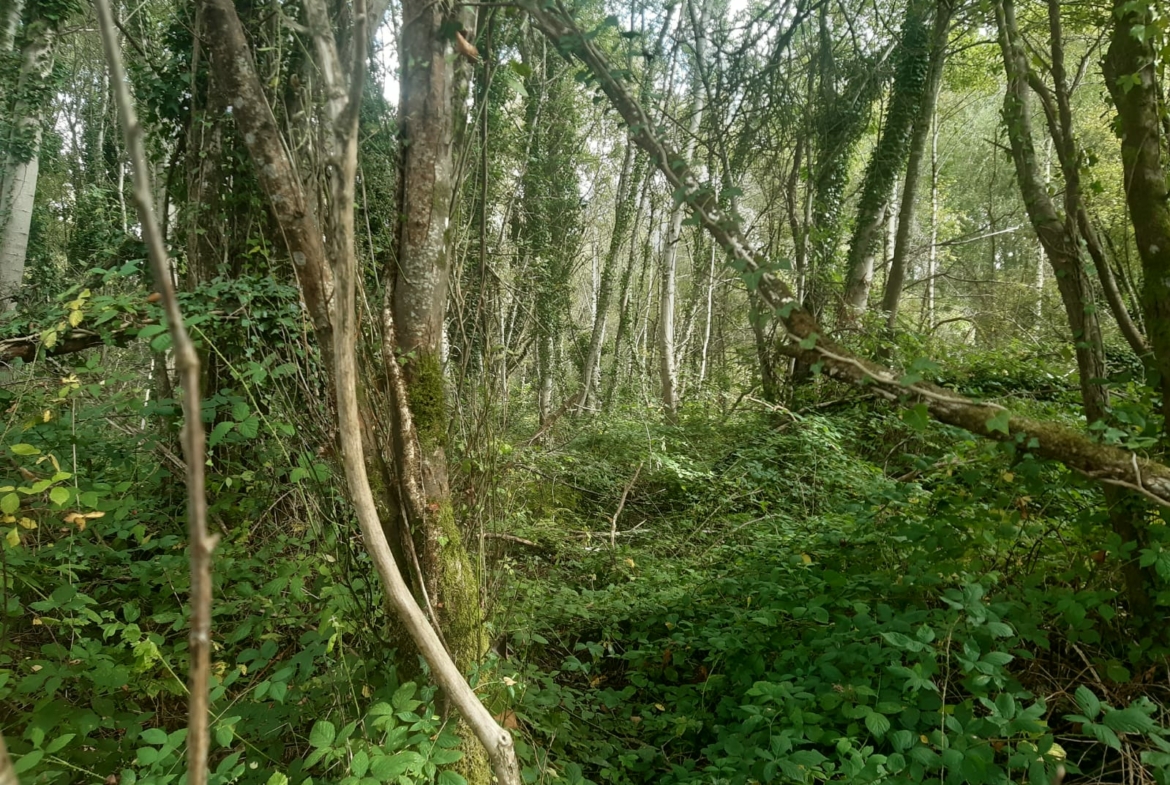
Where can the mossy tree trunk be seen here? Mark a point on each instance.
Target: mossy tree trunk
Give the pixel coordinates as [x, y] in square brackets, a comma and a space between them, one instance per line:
[923, 125]
[889, 156]
[433, 91]
[1131, 76]
[1059, 237]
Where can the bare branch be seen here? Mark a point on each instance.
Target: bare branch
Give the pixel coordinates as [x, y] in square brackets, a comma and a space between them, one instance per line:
[187, 362]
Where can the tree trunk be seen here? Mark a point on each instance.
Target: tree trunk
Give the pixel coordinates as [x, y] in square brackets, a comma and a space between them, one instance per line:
[923, 125]
[628, 183]
[1130, 76]
[667, 368]
[18, 179]
[1060, 240]
[889, 156]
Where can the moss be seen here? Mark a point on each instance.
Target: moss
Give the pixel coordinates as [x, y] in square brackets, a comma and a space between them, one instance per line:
[428, 400]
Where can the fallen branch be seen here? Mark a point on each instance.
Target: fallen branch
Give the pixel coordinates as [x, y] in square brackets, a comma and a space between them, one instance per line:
[1103, 463]
[25, 347]
[621, 506]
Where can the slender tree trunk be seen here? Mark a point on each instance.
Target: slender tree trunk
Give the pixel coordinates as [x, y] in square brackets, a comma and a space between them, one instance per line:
[923, 130]
[628, 186]
[18, 179]
[667, 369]
[433, 86]
[889, 156]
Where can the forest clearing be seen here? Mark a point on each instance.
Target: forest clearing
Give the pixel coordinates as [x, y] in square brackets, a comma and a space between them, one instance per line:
[672, 391]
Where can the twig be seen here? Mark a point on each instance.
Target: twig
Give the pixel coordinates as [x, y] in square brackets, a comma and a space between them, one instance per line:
[200, 542]
[621, 505]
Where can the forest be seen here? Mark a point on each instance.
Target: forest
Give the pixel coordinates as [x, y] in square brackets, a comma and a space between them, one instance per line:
[584, 392]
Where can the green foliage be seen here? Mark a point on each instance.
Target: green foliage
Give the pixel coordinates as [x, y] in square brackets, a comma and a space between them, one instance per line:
[781, 611]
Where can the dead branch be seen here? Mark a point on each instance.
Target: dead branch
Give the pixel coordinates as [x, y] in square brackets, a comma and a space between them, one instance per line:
[200, 543]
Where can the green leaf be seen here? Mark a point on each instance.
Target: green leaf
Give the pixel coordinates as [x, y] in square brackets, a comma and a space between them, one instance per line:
[24, 449]
[385, 768]
[1088, 702]
[809, 342]
[220, 430]
[322, 734]
[9, 503]
[224, 735]
[156, 736]
[917, 417]
[59, 495]
[277, 779]
[59, 742]
[360, 764]
[877, 724]
[249, 427]
[1131, 720]
[26, 762]
[402, 699]
[451, 778]
[1000, 422]
[240, 411]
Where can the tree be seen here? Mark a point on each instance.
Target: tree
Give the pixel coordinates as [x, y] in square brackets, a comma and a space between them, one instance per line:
[911, 76]
[26, 113]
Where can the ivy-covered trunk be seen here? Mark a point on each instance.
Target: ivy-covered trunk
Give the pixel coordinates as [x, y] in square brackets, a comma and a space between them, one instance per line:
[889, 156]
[22, 124]
[433, 90]
[923, 124]
[1131, 76]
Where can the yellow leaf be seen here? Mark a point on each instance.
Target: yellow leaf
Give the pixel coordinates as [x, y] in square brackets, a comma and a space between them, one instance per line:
[48, 415]
[1056, 751]
[366, 691]
[922, 738]
[37, 622]
[28, 523]
[630, 562]
[13, 538]
[805, 558]
[1008, 476]
[660, 707]
[75, 318]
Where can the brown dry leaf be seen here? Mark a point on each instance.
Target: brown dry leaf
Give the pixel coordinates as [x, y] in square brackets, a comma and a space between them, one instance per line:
[466, 48]
[507, 719]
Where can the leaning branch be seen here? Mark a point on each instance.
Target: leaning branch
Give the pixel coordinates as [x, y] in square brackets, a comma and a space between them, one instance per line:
[187, 363]
[1103, 463]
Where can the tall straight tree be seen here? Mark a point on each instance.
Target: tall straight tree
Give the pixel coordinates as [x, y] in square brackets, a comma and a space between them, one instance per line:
[434, 83]
[923, 126]
[321, 248]
[24, 114]
[889, 156]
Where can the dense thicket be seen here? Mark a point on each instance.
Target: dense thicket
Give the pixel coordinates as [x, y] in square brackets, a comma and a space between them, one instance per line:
[676, 392]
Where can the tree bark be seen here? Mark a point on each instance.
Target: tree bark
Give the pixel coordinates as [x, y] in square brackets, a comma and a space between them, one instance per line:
[923, 124]
[18, 179]
[889, 155]
[313, 261]
[1059, 236]
[1132, 82]
[433, 91]
[667, 366]
[628, 185]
